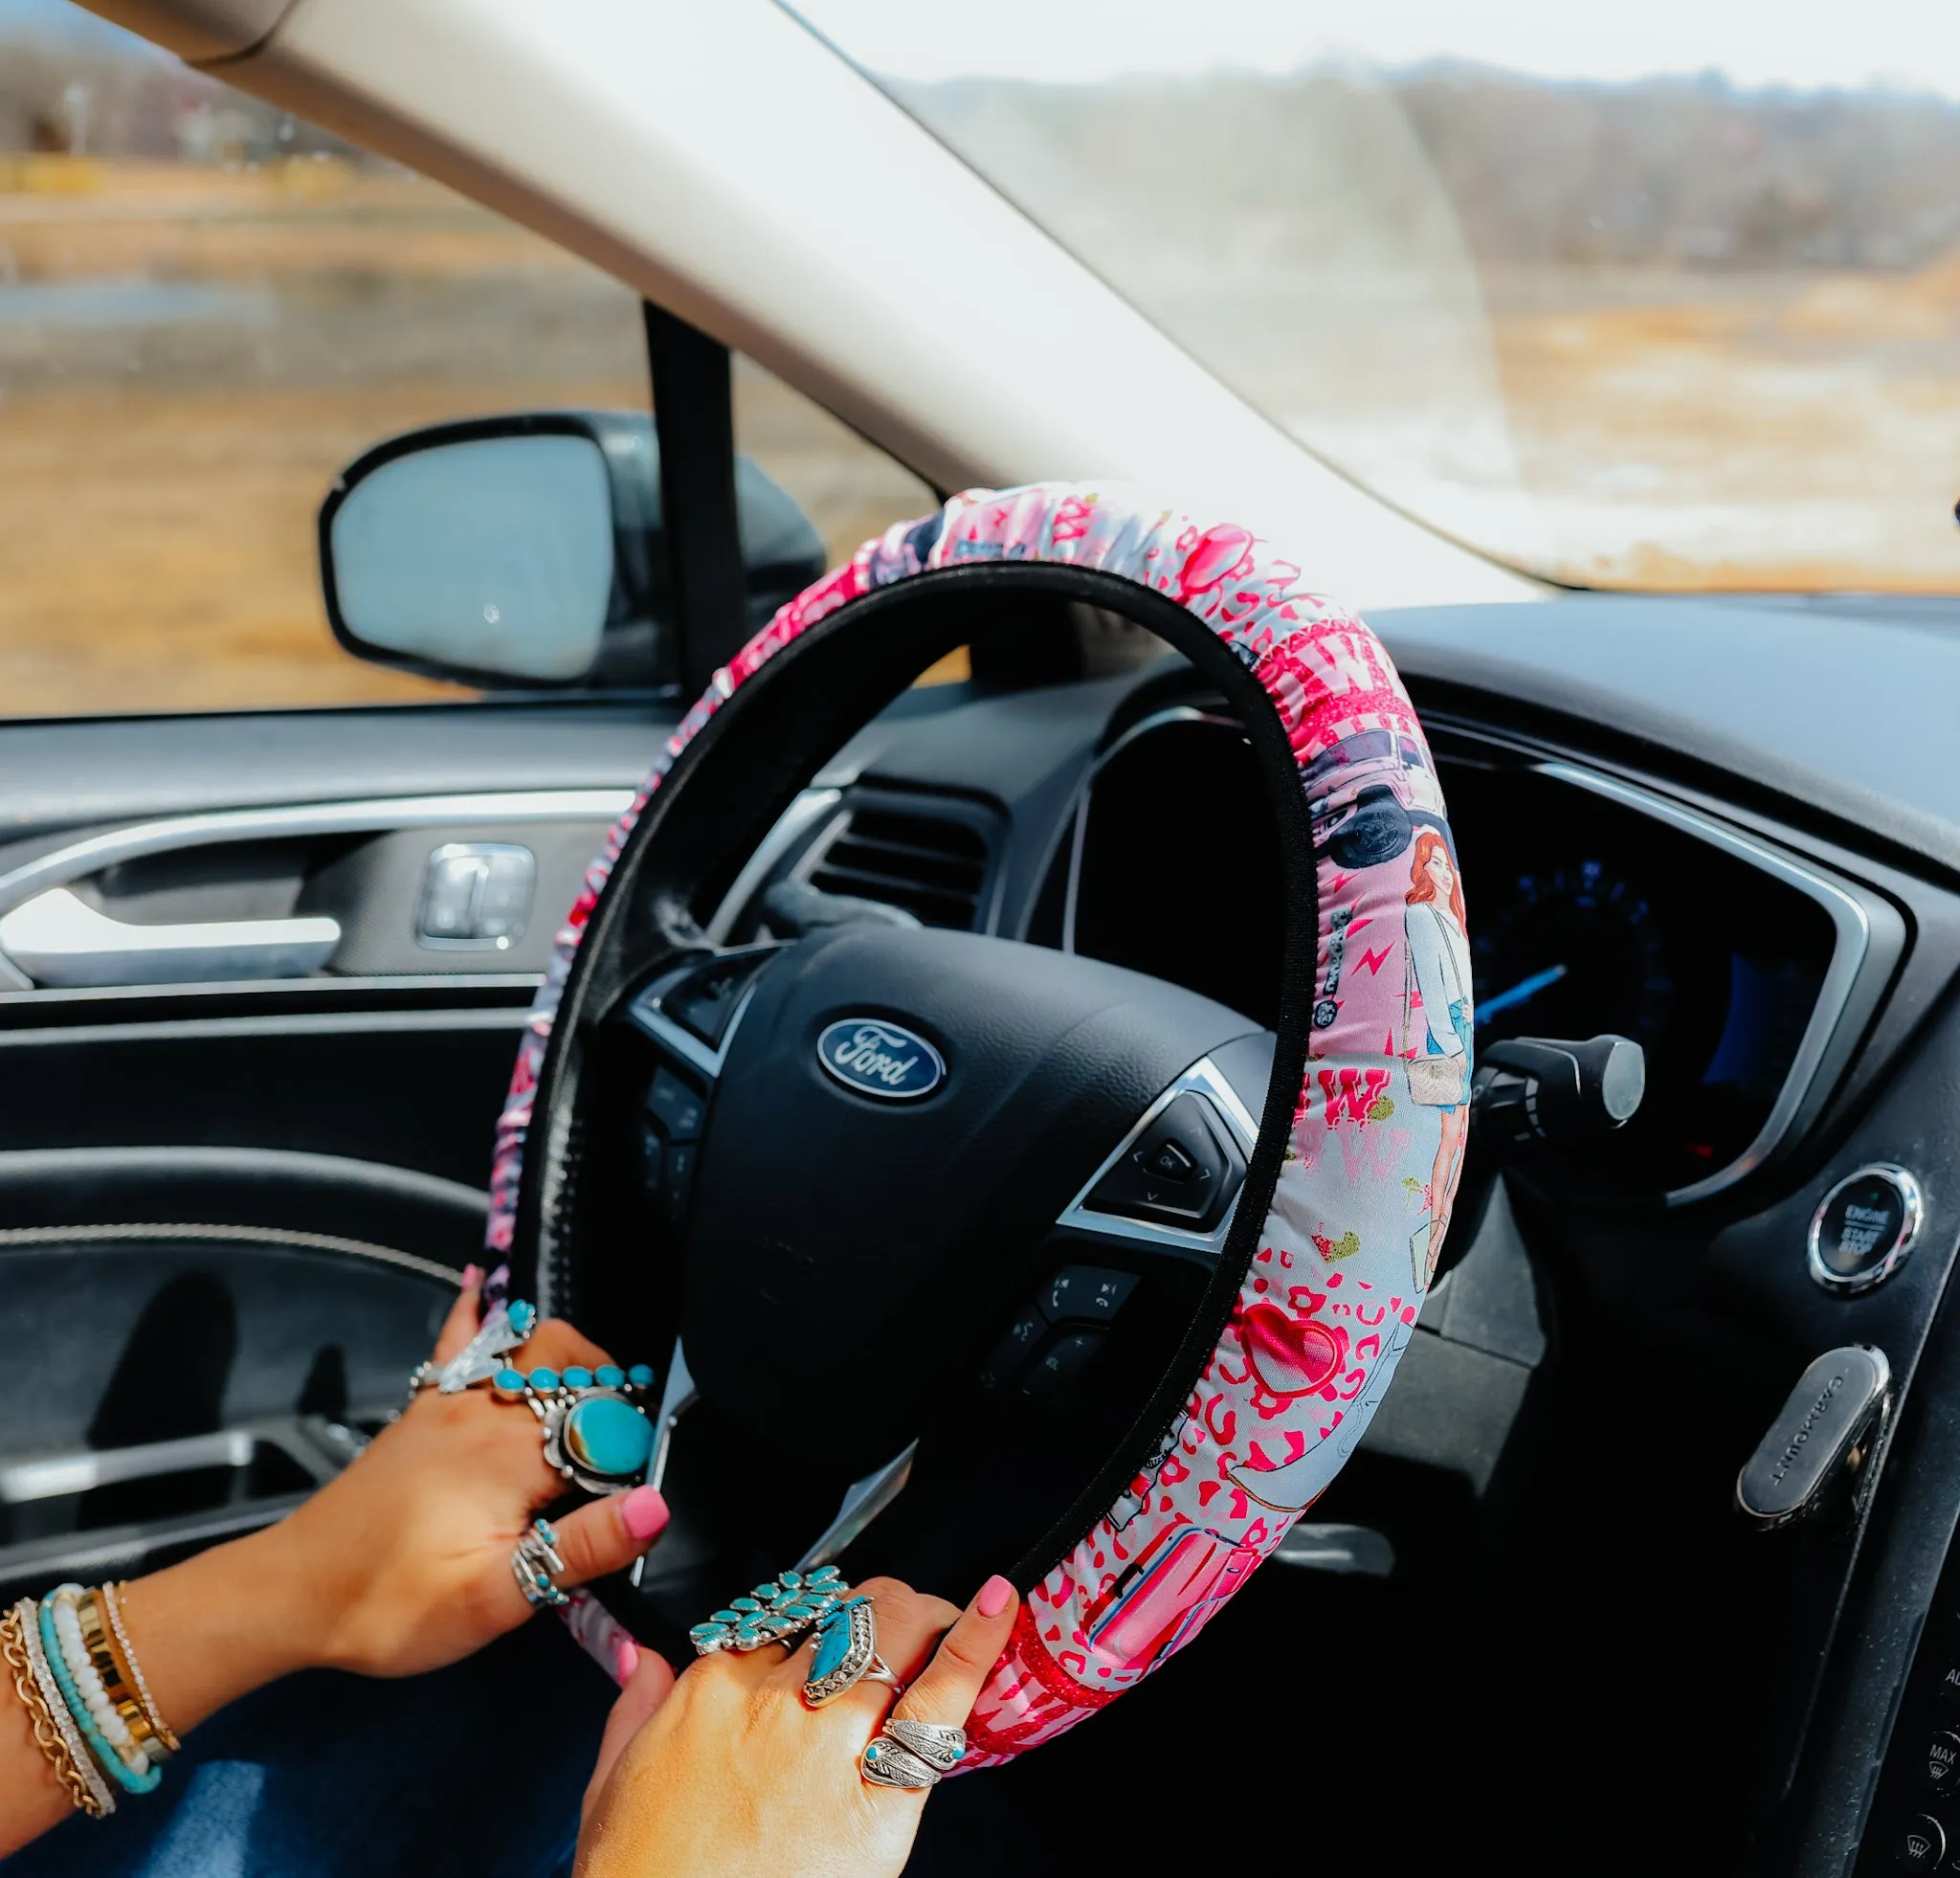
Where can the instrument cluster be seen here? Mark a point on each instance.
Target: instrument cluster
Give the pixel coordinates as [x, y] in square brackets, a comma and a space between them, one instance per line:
[1591, 907]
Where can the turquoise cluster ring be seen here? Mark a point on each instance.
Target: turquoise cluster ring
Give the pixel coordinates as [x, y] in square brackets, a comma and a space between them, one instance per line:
[773, 1613]
[596, 1435]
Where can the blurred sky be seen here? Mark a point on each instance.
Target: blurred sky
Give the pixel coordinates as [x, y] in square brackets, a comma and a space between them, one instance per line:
[1910, 44]
[59, 20]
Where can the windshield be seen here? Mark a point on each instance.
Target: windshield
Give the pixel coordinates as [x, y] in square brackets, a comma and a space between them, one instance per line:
[1659, 297]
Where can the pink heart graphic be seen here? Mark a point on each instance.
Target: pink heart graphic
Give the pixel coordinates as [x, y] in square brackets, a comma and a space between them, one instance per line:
[1290, 1358]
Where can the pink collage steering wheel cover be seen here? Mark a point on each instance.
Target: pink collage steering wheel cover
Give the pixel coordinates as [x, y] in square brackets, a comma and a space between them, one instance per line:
[1349, 1243]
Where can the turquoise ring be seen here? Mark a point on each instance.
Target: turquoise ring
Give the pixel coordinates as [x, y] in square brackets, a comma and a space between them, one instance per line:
[846, 1654]
[536, 1564]
[773, 1613]
[596, 1435]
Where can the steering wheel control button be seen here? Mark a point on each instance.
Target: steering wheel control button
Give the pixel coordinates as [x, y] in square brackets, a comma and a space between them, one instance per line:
[678, 1108]
[706, 1000]
[1086, 1294]
[1922, 1845]
[1060, 1365]
[1004, 1363]
[1863, 1230]
[1939, 1768]
[1821, 1440]
[1184, 1170]
[679, 1187]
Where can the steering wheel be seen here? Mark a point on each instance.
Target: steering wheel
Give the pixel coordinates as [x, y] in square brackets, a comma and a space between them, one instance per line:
[973, 1255]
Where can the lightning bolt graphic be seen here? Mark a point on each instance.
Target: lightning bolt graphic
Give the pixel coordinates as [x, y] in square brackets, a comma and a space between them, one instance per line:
[1374, 961]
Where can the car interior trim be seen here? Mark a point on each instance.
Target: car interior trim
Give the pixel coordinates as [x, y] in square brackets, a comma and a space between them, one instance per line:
[80, 858]
[706, 1057]
[58, 1474]
[1203, 1078]
[57, 939]
[286, 1023]
[795, 822]
[141, 1230]
[1825, 1038]
[1156, 720]
[98, 1164]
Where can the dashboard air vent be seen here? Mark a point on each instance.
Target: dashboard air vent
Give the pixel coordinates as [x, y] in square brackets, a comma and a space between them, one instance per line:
[932, 866]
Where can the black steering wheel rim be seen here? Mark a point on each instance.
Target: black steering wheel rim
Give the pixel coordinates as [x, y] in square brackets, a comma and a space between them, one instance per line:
[763, 746]
[1351, 1169]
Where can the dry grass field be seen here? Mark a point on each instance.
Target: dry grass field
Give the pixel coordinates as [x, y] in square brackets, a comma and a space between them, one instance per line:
[187, 357]
[188, 354]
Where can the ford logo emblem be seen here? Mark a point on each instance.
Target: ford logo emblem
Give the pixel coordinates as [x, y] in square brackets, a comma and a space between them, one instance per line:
[880, 1058]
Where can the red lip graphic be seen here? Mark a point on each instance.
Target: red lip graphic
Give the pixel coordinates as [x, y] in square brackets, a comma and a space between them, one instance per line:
[1290, 1358]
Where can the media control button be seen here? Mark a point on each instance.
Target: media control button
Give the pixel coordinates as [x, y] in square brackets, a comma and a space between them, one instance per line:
[1864, 1228]
[1004, 1362]
[1060, 1364]
[1921, 1845]
[678, 1108]
[1087, 1294]
[1182, 1171]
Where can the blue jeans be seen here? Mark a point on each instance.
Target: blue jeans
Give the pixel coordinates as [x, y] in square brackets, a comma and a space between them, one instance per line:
[476, 1769]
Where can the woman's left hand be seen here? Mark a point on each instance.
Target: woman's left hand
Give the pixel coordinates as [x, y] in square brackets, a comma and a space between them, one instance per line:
[400, 1564]
[408, 1550]
[728, 1770]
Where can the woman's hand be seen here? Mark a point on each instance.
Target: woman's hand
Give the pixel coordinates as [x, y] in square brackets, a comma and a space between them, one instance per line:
[407, 1554]
[734, 1775]
[402, 1564]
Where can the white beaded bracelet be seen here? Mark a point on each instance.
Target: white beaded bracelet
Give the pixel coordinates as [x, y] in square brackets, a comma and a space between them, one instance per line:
[57, 1708]
[88, 1682]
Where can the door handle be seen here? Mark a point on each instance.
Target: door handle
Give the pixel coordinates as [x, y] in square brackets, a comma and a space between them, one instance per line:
[60, 940]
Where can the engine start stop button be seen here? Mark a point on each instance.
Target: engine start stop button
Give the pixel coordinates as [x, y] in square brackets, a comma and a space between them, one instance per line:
[1865, 1227]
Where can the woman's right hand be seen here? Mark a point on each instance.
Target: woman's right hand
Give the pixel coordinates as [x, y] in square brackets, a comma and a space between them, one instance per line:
[727, 1771]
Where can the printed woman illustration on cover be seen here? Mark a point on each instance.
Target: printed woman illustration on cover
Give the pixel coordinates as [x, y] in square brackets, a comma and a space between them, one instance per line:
[1437, 1024]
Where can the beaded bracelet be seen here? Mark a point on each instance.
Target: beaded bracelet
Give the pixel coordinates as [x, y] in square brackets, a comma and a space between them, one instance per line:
[88, 1680]
[160, 1729]
[54, 1732]
[106, 1662]
[112, 1664]
[105, 1757]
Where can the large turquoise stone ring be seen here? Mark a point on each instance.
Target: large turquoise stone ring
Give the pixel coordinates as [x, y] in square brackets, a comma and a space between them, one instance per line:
[607, 1435]
[596, 1432]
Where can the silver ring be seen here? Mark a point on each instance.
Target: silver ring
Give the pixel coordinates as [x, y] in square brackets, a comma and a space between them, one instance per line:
[846, 1654]
[535, 1564]
[596, 1435]
[773, 1613]
[886, 1763]
[938, 1744]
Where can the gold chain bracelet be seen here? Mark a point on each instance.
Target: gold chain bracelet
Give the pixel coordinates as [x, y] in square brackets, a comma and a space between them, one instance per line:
[47, 1736]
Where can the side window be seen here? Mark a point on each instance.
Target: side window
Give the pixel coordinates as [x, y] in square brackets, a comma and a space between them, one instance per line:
[207, 308]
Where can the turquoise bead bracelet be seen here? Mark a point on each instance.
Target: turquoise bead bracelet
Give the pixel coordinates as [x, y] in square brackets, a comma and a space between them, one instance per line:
[106, 1757]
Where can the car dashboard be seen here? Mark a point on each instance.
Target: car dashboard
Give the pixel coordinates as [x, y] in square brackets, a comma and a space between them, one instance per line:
[1726, 829]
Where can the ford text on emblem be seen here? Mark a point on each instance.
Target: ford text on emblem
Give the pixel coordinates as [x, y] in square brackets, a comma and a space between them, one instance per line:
[877, 1059]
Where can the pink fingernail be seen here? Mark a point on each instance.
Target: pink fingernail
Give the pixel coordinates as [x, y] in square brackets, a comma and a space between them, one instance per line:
[996, 1594]
[644, 1511]
[625, 1662]
[472, 1275]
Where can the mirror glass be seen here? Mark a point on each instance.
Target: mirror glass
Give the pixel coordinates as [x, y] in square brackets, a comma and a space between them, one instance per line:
[493, 555]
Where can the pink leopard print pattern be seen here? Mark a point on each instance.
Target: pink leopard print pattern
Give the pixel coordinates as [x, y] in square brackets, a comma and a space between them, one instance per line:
[1350, 1245]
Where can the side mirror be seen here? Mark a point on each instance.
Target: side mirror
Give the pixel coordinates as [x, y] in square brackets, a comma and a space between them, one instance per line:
[528, 550]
